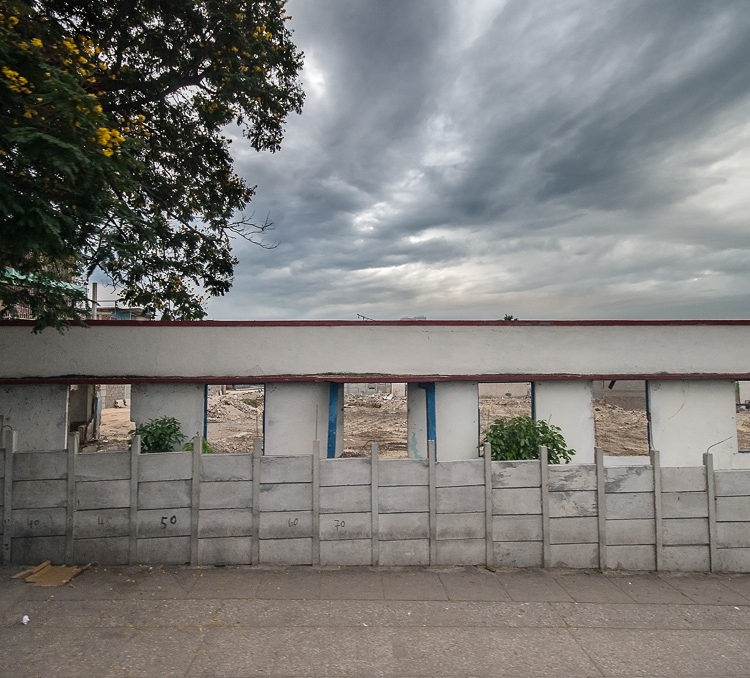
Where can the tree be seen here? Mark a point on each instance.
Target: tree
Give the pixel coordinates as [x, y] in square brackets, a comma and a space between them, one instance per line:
[113, 145]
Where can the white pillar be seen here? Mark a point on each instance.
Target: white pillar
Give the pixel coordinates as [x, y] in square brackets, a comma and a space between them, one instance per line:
[184, 402]
[457, 420]
[416, 421]
[296, 414]
[691, 417]
[39, 413]
[568, 404]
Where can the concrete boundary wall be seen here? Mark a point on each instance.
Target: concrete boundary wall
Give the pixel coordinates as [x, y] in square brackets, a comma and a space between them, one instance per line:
[178, 507]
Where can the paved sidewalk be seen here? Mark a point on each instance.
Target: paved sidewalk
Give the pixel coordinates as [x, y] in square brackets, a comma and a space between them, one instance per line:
[253, 621]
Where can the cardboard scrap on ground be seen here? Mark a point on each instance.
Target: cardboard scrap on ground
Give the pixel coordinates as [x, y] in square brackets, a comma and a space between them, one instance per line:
[46, 574]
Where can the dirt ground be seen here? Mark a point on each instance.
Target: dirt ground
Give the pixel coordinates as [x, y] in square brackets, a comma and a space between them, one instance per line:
[236, 418]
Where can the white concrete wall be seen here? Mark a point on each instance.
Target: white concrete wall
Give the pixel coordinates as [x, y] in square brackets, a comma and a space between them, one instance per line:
[567, 404]
[218, 352]
[296, 414]
[457, 420]
[184, 402]
[689, 418]
[744, 389]
[39, 414]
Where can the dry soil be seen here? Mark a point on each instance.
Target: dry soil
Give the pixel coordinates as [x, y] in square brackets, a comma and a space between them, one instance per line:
[236, 418]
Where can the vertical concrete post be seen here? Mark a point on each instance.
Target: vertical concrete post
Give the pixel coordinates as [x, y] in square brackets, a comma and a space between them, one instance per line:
[375, 504]
[658, 523]
[255, 526]
[10, 442]
[601, 507]
[432, 493]
[195, 498]
[70, 496]
[488, 550]
[544, 477]
[688, 418]
[708, 461]
[568, 404]
[135, 453]
[315, 487]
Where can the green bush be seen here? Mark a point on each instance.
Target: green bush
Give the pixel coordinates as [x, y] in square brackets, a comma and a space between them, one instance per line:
[160, 435]
[521, 437]
[205, 447]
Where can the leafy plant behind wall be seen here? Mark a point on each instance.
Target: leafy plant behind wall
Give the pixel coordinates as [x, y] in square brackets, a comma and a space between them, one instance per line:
[205, 447]
[520, 438]
[163, 434]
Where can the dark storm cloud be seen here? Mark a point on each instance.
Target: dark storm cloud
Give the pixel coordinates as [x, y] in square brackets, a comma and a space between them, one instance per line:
[468, 159]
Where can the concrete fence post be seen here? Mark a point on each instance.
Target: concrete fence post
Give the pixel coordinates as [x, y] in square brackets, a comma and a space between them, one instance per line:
[315, 488]
[375, 504]
[432, 494]
[255, 526]
[489, 551]
[11, 442]
[658, 523]
[135, 453]
[601, 506]
[70, 496]
[195, 498]
[544, 478]
[708, 461]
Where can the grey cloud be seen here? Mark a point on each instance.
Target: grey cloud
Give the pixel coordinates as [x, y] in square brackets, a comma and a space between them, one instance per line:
[570, 157]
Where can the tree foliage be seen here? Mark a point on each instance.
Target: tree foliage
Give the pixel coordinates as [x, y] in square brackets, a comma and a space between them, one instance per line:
[113, 145]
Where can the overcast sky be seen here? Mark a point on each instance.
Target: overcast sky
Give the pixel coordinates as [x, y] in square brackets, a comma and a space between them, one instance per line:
[543, 158]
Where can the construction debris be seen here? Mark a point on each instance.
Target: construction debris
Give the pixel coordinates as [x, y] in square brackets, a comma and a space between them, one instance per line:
[46, 574]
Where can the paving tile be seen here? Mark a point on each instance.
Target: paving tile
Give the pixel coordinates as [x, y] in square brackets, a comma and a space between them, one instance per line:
[290, 583]
[351, 584]
[13, 603]
[647, 588]
[225, 582]
[301, 651]
[591, 587]
[624, 652]
[394, 613]
[412, 584]
[704, 589]
[54, 652]
[533, 585]
[737, 582]
[473, 584]
[642, 616]
[493, 652]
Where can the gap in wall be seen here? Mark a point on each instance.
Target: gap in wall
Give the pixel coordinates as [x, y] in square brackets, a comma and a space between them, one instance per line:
[375, 413]
[235, 417]
[743, 416]
[621, 417]
[502, 401]
[115, 423]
